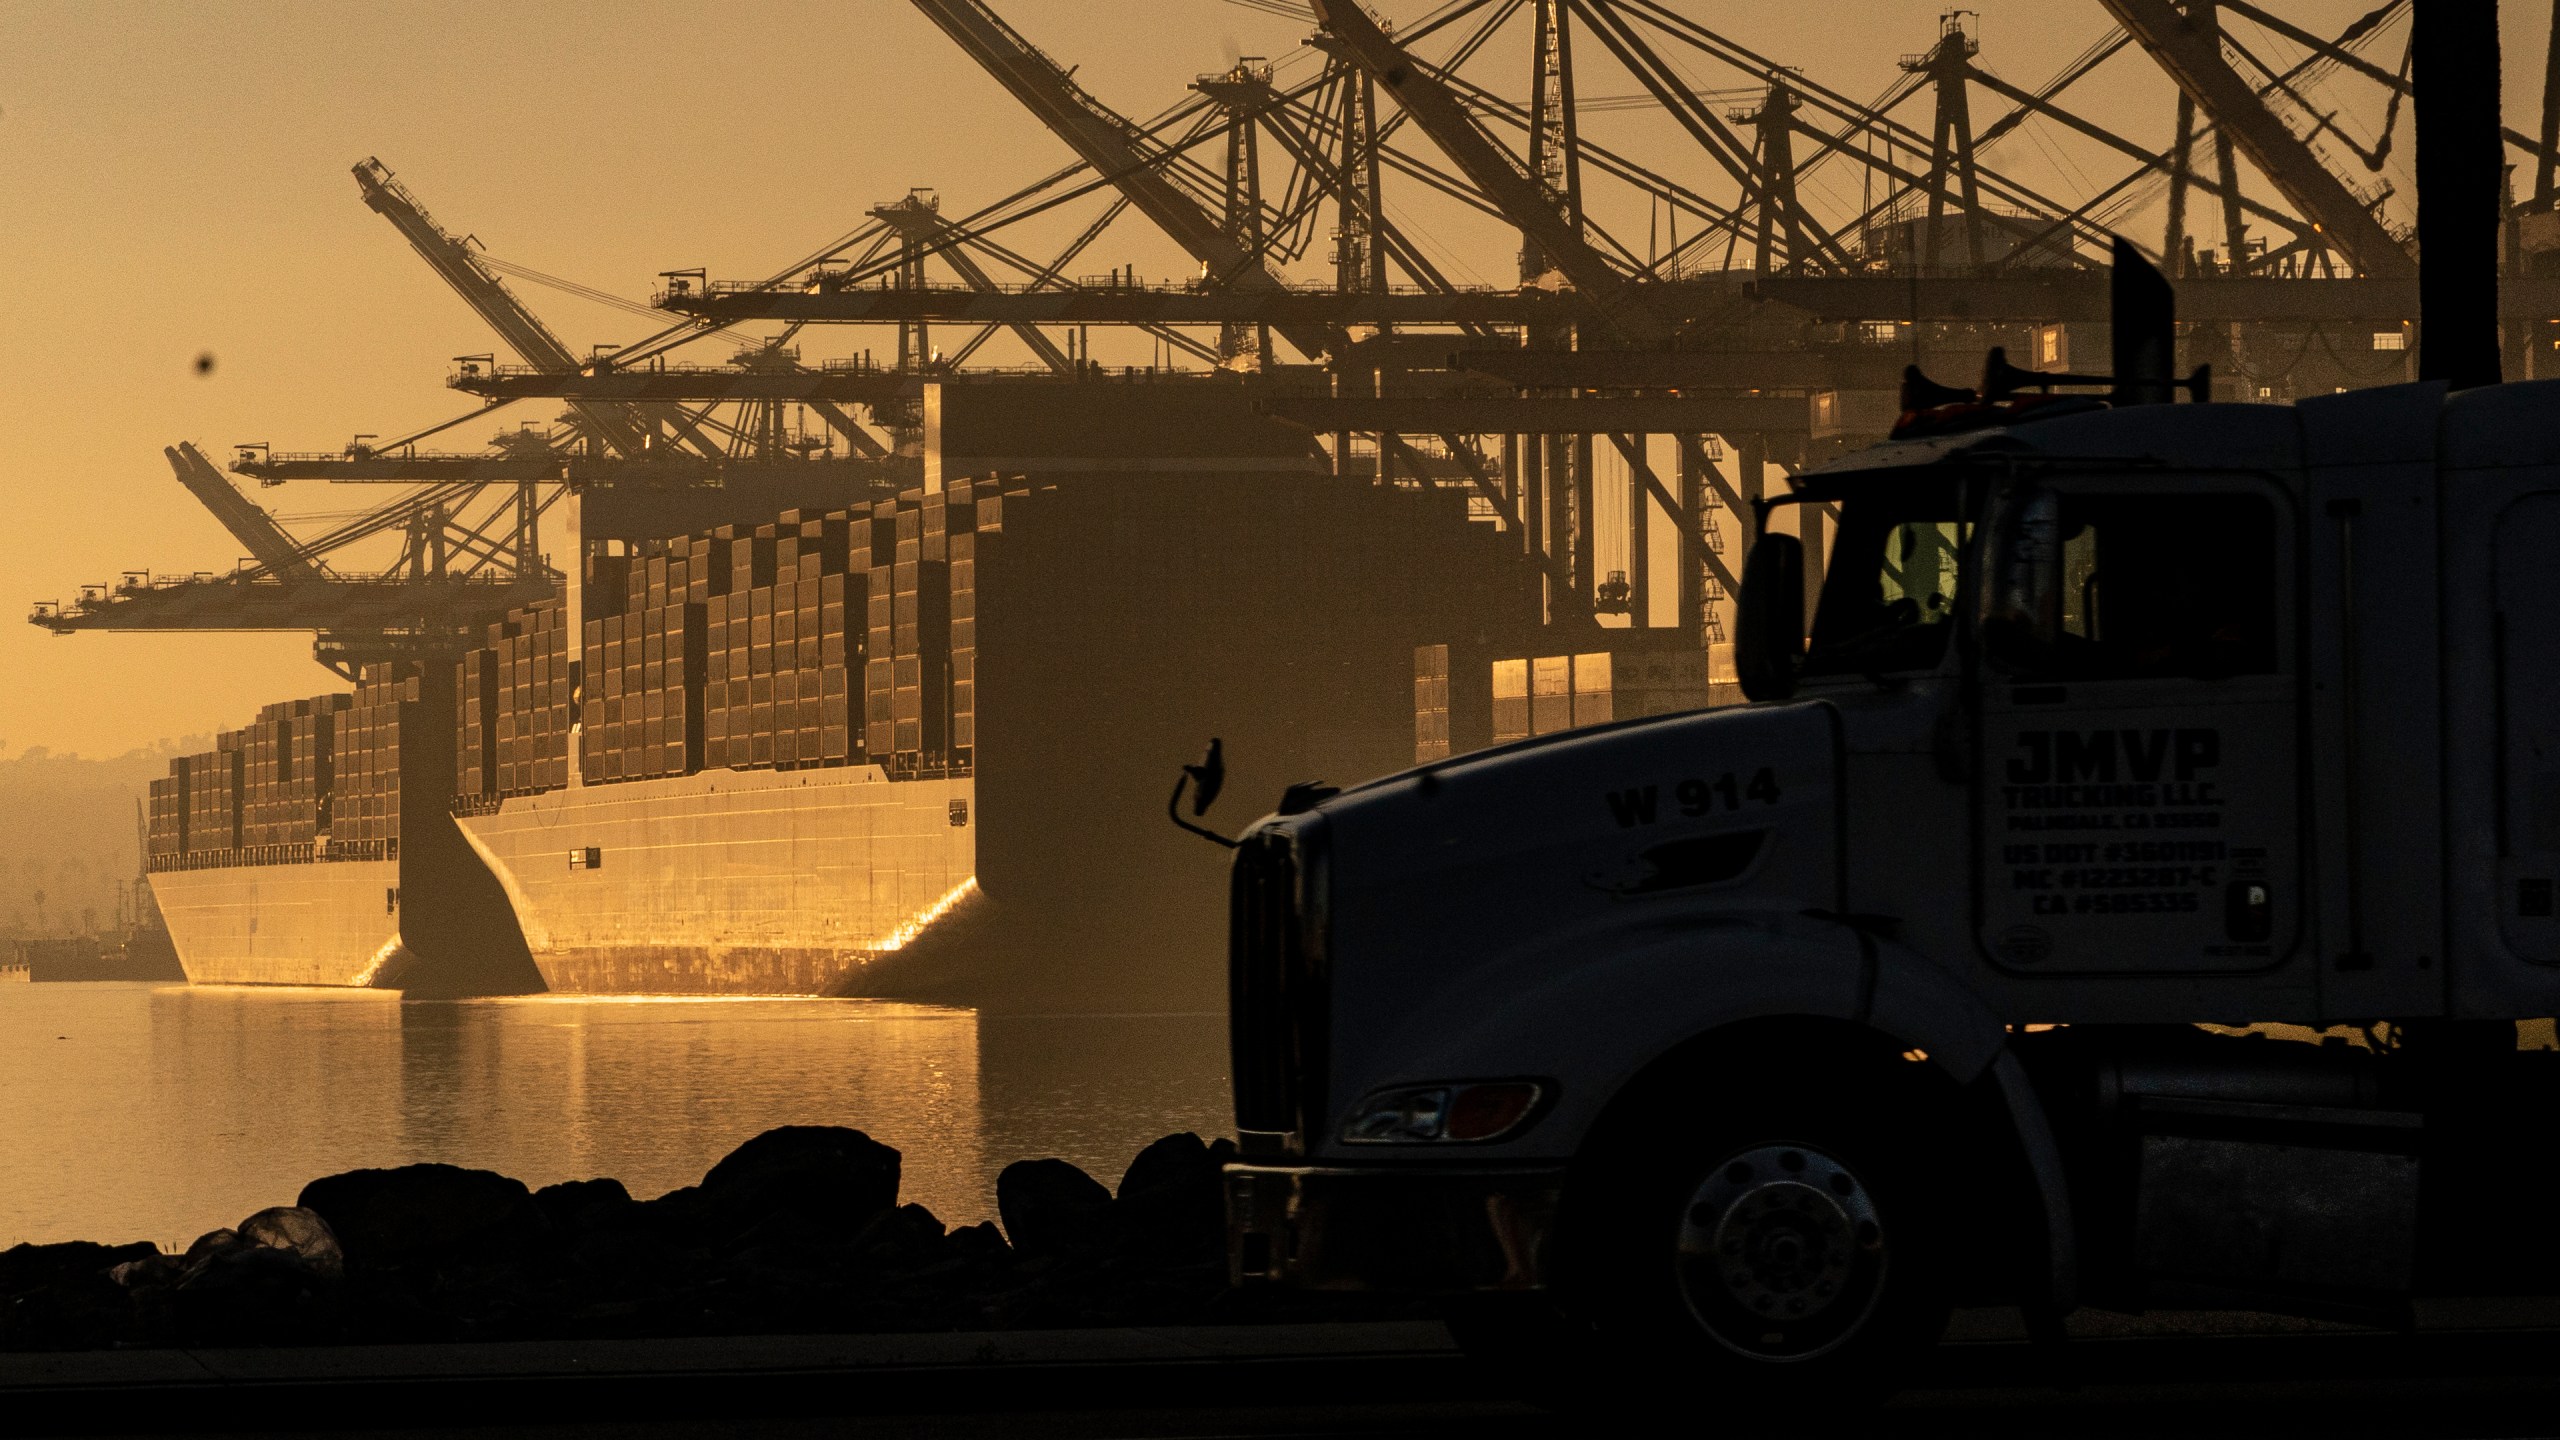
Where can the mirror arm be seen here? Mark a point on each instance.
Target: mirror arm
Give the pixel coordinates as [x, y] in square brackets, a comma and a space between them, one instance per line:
[1173, 812]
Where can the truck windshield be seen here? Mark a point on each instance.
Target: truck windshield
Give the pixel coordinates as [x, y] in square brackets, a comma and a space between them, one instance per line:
[1889, 591]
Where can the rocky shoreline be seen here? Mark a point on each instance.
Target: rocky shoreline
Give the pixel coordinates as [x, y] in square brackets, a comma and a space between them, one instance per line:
[798, 1230]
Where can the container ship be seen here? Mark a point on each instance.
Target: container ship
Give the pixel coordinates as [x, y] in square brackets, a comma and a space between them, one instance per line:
[274, 856]
[283, 855]
[909, 746]
[915, 750]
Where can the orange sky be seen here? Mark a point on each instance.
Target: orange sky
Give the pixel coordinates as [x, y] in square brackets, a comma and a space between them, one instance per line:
[173, 180]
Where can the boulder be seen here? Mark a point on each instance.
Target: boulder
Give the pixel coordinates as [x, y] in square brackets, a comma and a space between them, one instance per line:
[32, 1267]
[148, 1271]
[85, 1312]
[797, 1229]
[299, 1233]
[846, 1167]
[257, 1293]
[1172, 1203]
[210, 1241]
[577, 1204]
[902, 1240]
[980, 1244]
[426, 1213]
[1051, 1208]
[800, 1184]
[61, 1297]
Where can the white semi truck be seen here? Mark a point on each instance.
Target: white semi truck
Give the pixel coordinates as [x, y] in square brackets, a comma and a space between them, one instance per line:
[2133, 894]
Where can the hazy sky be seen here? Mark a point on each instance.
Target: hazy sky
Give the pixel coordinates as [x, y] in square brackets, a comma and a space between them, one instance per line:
[173, 180]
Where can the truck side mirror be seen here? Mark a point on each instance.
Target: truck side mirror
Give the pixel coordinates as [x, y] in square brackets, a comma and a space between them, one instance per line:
[1208, 777]
[1204, 780]
[2021, 615]
[1769, 618]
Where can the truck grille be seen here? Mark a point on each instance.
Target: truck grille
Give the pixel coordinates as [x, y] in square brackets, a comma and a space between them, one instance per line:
[1276, 981]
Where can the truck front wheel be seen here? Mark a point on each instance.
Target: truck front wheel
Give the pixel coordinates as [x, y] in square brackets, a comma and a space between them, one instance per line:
[1790, 1261]
[1798, 1255]
[1783, 1257]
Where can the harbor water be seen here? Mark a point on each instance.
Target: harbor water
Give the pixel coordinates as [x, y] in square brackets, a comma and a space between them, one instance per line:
[143, 1112]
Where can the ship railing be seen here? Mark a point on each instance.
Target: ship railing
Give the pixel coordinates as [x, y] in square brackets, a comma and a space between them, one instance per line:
[302, 852]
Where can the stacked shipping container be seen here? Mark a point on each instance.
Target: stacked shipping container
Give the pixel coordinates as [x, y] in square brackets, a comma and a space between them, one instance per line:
[976, 525]
[738, 648]
[292, 752]
[852, 637]
[364, 808]
[475, 728]
[521, 695]
[879, 635]
[817, 640]
[213, 796]
[781, 654]
[165, 829]
[1629, 678]
[315, 779]
[640, 712]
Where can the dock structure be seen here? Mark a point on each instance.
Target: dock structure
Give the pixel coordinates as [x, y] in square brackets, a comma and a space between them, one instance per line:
[1715, 269]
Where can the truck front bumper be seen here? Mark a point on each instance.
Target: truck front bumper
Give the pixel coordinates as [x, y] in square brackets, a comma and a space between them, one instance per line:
[1392, 1228]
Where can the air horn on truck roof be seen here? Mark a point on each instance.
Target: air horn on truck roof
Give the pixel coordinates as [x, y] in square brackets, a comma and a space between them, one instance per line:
[2143, 321]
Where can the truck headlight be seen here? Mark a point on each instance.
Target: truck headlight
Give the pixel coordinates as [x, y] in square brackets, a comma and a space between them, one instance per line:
[1455, 1112]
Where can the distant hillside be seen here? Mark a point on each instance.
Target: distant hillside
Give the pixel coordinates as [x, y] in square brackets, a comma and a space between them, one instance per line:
[67, 832]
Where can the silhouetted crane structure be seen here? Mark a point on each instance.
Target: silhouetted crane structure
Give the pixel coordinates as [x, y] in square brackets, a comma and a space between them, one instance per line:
[1815, 244]
[630, 431]
[464, 555]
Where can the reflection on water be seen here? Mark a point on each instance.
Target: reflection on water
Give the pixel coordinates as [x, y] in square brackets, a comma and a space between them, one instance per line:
[142, 1112]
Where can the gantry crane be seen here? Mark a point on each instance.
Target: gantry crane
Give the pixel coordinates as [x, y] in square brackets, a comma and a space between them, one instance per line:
[627, 430]
[1433, 359]
[1114, 147]
[917, 217]
[256, 530]
[450, 575]
[2191, 57]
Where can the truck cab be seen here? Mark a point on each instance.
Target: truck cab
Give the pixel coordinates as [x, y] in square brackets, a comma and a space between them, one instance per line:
[2133, 888]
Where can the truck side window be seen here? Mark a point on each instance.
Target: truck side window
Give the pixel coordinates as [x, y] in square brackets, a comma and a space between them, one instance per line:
[2167, 585]
[1889, 591]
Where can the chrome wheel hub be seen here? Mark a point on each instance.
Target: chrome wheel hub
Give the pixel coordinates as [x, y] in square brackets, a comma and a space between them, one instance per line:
[1782, 1256]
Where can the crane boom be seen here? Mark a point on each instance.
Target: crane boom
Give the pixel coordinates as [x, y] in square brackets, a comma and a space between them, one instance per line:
[1491, 169]
[1109, 143]
[346, 607]
[275, 551]
[623, 427]
[922, 224]
[2195, 62]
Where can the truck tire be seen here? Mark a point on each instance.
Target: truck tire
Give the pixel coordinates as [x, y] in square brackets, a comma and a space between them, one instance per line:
[1796, 1251]
[1787, 1262]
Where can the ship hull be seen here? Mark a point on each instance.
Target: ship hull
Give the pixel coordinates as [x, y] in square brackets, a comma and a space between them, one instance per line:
[733, 882]
[335, 923]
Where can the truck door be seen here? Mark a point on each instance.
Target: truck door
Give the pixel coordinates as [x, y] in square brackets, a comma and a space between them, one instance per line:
[2528, 702]
[2139, 802]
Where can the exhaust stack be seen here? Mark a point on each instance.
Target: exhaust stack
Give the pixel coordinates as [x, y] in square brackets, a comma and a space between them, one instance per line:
[2461, 166]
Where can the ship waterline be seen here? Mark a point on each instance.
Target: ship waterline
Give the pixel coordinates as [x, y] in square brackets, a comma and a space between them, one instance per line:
[740, 882]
